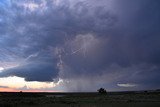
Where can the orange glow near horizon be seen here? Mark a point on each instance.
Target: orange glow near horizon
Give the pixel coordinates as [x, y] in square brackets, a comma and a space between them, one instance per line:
[8, 90]
[15, 90]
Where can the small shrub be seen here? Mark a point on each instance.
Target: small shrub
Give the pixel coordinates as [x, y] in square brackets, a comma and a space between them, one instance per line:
[102, 91]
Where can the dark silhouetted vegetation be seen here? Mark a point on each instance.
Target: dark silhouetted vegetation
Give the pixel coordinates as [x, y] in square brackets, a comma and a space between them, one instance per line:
[102, 91]
[92, 99]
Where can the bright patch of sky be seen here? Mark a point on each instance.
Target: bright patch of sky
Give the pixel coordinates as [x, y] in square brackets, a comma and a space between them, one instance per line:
[19, 83]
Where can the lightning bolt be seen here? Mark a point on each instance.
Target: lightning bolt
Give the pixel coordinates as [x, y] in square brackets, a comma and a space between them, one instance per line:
[83, 48]
[74, 52]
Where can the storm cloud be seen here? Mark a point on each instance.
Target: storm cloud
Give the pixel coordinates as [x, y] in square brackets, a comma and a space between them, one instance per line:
[87, 43]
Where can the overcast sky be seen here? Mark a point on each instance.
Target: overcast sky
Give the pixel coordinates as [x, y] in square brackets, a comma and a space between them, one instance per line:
[79, 45]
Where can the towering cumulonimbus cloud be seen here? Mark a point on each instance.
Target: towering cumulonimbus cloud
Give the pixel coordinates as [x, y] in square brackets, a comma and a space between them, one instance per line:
[86, 43]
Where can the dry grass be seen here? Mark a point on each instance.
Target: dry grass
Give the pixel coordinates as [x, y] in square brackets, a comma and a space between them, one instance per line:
[79, 100]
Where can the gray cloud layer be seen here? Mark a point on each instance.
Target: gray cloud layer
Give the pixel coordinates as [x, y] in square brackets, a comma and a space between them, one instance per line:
[89, 44]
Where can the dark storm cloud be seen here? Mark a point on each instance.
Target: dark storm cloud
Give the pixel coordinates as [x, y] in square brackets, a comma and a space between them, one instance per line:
[44, 72]
[89, 43]
[132, 45]
[37, 67]
[32, 29]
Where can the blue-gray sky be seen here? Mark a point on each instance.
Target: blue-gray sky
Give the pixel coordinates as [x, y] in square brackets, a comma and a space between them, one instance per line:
[81, 45]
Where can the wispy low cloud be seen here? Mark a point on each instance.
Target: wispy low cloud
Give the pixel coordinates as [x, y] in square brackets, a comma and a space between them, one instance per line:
[127, 85]
[4, 87]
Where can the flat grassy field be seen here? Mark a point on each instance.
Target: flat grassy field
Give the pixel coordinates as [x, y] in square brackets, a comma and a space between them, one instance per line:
[112, 99]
